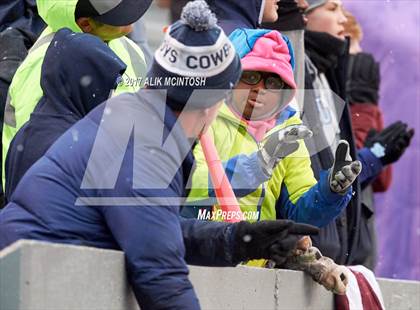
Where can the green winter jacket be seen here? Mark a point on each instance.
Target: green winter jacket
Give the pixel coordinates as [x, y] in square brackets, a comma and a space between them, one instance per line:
[25, 90]
[232, 142]
[292, 192]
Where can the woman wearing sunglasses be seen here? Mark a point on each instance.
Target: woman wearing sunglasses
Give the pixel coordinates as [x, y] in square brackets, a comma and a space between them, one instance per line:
[259, 136]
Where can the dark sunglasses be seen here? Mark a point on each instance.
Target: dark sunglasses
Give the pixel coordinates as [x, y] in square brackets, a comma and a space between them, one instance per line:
[271, 81]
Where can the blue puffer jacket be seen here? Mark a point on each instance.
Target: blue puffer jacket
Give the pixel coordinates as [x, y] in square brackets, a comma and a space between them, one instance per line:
[119, 185]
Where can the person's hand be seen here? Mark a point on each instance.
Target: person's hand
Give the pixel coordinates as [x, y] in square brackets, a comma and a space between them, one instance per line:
[281, 144]
[268, 239]
[302, 4]
[344, 171]
[389, 144]
[364, 79]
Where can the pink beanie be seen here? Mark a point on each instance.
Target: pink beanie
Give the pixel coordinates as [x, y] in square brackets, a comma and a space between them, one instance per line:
[271, 54]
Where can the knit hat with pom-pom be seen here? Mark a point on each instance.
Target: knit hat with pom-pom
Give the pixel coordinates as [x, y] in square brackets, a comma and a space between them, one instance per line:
[195, 48]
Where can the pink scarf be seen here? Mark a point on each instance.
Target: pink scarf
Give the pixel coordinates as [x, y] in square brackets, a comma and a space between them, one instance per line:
[257, 129]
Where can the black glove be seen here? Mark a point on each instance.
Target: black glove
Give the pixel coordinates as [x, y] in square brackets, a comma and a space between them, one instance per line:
[281, 144]
[363, 79]
[267, 239]
[389, 144]
[344, 170]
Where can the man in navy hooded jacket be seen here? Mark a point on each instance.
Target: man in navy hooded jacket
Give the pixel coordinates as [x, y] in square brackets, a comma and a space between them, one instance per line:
[120, 184]
[78, 73]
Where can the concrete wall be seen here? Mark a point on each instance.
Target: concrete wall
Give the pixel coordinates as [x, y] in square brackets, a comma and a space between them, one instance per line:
[36, 275]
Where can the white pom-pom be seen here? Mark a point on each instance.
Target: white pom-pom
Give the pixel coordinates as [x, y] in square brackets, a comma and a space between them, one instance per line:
[198, 15]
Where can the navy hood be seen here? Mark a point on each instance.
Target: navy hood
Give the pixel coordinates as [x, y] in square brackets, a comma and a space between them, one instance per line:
[233, 14]
[77, 74]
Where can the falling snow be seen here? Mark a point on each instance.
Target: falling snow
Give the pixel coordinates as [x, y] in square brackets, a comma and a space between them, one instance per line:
[86, 80]
[75, 135]
[247, 238]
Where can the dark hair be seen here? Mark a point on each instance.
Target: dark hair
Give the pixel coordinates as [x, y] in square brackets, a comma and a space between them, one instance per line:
[84, 9]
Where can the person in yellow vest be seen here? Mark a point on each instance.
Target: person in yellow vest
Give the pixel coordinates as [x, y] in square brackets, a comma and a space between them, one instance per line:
[259, 137]
[108, 20]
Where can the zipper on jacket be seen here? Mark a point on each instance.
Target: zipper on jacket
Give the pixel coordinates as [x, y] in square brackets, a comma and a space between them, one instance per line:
[262, 196]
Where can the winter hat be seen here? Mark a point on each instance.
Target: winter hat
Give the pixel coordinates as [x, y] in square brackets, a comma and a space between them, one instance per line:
[112, 12]
[267, 51]
[195, 49]
[313, 4]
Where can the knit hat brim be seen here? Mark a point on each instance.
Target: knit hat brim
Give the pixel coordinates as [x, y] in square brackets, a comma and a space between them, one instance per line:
[195, 49]
[313, 4]
[212, 91]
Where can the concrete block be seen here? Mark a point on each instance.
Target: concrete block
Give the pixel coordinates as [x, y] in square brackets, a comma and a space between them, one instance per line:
[10, 277]
[234, 288]
[53, 276]
[39, 275]
[296, 290]
[400, 294]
